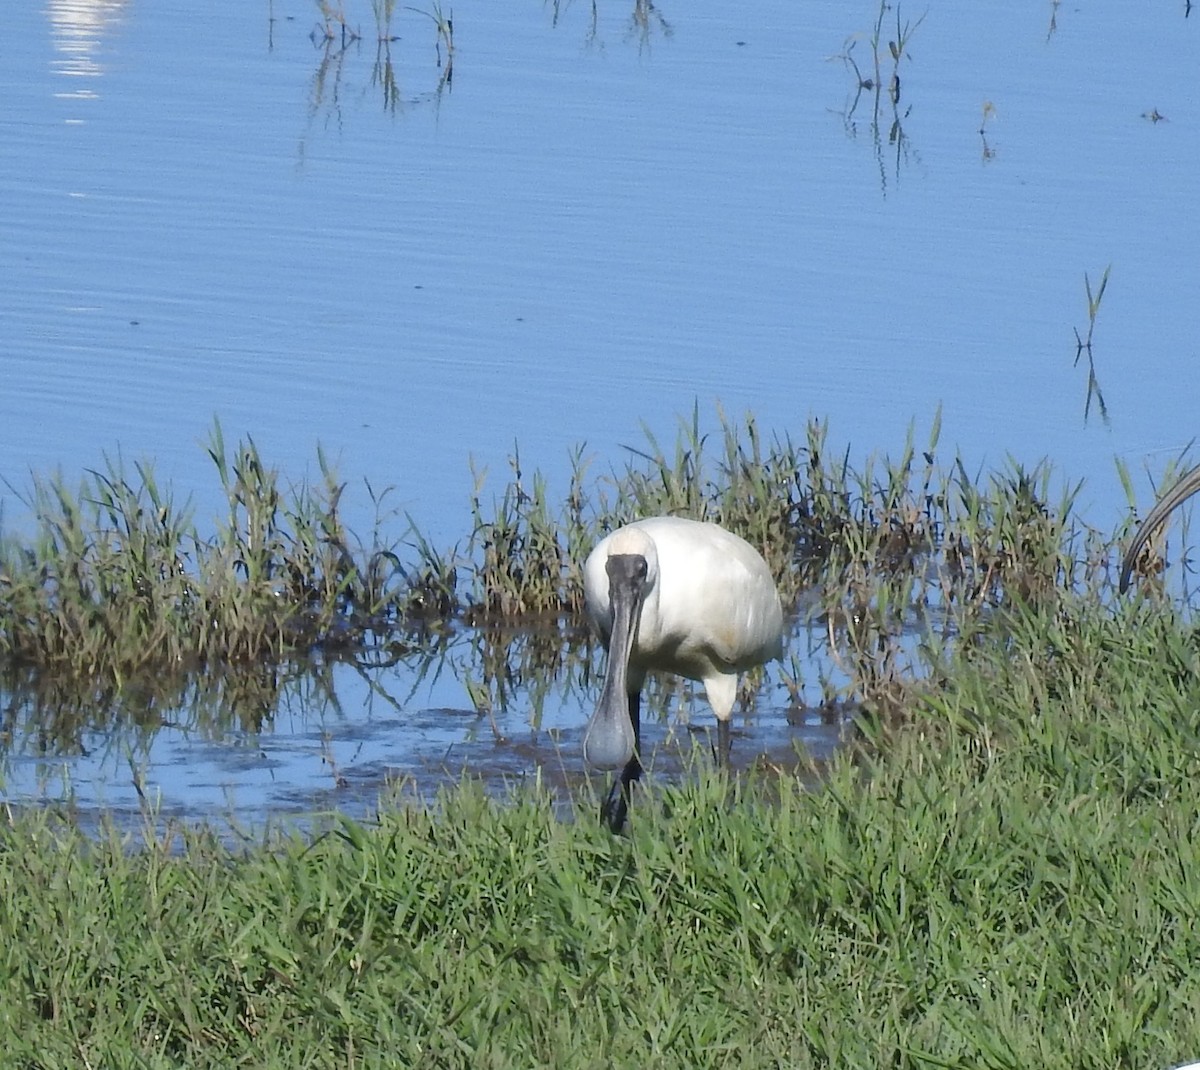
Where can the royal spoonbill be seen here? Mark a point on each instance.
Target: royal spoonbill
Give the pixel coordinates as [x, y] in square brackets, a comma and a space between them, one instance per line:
[677, 596]
[1188, 484]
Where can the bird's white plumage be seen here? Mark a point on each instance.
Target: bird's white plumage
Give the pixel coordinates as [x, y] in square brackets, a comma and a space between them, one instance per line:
[710, 607]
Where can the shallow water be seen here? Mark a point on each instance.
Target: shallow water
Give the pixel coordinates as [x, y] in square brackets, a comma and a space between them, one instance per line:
[207, 212]
[339, 734]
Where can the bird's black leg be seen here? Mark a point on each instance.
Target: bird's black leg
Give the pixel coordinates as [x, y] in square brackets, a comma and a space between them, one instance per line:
[616, 805]
[724, 744]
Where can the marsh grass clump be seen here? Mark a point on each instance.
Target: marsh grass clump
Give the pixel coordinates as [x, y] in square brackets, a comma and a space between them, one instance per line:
[891, 560]
[525, 554]
[806, 515]
[117, 582]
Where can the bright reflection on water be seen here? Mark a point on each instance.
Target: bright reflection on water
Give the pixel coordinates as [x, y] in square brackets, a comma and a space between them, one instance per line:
[77, 32]
[216, 210]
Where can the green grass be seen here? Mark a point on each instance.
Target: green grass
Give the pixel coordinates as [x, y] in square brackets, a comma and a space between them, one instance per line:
[1010, 880]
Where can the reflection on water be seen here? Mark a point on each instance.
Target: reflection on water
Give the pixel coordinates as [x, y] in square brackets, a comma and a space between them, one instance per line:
[428, 71]
[644, 22]
[77, 30]
[257, 741]
[880, 79]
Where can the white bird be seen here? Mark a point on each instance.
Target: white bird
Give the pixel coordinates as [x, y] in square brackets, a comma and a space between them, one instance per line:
[1188, 484]
[677, 596]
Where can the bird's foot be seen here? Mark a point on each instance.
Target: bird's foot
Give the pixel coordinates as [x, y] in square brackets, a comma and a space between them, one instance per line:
[616, 806]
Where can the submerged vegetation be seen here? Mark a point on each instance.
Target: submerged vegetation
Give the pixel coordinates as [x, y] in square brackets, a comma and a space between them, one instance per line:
[999, 870]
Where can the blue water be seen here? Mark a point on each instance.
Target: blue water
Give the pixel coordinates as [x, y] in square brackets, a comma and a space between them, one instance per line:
[205, 213]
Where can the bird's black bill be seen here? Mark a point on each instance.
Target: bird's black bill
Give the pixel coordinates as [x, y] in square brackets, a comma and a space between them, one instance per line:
[615, 807]
[610, 739]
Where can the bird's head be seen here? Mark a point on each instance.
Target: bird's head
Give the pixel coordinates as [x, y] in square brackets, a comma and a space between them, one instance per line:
[631, 565]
